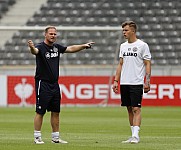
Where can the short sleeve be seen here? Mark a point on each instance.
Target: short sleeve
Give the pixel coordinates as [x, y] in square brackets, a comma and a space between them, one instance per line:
[120, 53]
[62, 49]
[146, 52]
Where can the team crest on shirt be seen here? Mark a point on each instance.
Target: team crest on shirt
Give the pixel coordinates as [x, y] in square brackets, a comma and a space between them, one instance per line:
[55, 49]
[135, 49]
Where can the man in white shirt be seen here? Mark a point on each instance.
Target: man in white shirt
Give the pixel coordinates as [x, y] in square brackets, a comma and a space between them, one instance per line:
[133, 72]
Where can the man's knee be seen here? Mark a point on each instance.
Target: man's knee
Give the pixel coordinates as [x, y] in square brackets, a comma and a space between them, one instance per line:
[55, 114]
[136, 110]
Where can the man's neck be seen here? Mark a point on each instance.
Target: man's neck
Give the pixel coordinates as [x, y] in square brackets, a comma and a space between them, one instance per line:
[132, 40]
[48, 43]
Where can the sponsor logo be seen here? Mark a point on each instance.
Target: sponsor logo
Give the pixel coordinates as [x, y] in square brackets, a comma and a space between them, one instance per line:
[54, 54]
[130, 54]
[88, 91]
[91, 90]
[47, 55]
[23, 90]
[51, 55]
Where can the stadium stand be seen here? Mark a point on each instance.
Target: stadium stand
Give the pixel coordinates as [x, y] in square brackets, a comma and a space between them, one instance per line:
[4, 6]
[158, 21]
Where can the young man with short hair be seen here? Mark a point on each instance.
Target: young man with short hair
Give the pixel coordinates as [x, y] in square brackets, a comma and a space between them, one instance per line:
[134, 66]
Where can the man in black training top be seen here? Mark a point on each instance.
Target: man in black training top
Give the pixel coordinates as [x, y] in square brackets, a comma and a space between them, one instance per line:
[46, 81]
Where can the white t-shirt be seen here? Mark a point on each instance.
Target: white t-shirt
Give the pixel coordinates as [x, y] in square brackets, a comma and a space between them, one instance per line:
[133, 68]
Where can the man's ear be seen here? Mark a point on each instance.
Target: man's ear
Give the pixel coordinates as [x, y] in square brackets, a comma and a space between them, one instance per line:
[133, 30]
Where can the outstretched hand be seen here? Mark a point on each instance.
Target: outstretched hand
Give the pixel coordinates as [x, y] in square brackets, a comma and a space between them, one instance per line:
[31, 44]
[89, 45]
[32, 47]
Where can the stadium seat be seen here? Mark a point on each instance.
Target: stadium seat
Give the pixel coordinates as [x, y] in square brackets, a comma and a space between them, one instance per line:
[173, 61]
[162, 62]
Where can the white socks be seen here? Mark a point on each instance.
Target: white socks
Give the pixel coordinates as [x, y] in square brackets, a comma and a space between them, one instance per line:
[132, 130]
[135, 131]
[55, 135]
[37, 133]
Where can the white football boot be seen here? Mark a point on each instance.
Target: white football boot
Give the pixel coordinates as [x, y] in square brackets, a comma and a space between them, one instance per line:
[38, 140]
[58, 140]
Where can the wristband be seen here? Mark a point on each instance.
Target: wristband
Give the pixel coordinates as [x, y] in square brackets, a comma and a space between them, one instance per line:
[116, 80]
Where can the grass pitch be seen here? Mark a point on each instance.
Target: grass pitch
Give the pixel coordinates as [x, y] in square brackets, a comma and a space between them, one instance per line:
[97, 128]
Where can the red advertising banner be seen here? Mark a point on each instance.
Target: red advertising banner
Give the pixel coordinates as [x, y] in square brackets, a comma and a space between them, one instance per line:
[87, 90]
[165, 91]
[21, 90]
[93, 90]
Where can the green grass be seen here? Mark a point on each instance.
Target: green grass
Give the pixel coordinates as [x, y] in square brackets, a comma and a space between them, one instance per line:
[93, 129]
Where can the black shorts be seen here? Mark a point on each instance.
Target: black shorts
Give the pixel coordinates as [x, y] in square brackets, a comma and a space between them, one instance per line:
[131, 95]
[48, 97]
